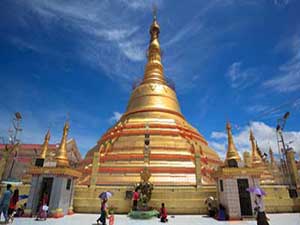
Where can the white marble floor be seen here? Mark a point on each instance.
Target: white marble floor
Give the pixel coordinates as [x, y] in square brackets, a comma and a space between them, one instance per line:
[90, 219]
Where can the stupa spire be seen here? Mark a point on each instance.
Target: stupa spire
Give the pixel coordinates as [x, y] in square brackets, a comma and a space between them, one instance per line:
[232, 153]
[45, 145]
[154, 68]
[256, 158]
[272, 159]
[61, 154]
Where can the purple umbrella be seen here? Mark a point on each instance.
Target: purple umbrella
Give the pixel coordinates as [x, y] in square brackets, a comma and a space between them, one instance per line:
[105, 195]
[256, 190]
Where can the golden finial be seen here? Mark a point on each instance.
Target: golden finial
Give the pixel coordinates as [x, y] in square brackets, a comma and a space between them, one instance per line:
[154, 11]
[61, 154]
[154, 68]
[232, 153]
[256, 159]
[45, 145]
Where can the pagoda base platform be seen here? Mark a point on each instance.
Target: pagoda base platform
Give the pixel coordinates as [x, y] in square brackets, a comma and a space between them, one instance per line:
[178, 200]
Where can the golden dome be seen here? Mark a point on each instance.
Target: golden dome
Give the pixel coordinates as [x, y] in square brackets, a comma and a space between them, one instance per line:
[153, 108]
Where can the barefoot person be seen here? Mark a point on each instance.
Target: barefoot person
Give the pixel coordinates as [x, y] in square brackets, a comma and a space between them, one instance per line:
[136, 197]
[103, 214]
[260, 208]
[163, 213]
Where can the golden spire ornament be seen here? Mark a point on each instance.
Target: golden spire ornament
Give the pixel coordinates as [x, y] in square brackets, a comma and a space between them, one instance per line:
[256, 158]
[232, 153]
[45, 145]
[154, 68]
[61, 154]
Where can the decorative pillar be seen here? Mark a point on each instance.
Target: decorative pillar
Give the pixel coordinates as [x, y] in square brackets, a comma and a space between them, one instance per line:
[2, 166]
[197, 166]
[95, 168]
[290, 155]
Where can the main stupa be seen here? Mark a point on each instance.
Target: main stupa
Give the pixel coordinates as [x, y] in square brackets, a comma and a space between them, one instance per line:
[179, 154]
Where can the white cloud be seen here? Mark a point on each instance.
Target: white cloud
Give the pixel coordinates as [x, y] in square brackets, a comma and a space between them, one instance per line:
[282, 2]
[240, 77]
[219, 147]
[264, 134]
[102, 39]
[218, 135]
[288, 79]
[142, 4]
[115, 117]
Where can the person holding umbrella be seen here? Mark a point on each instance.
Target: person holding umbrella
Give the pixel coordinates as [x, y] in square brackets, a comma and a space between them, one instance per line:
[104, 197]
[261, 217]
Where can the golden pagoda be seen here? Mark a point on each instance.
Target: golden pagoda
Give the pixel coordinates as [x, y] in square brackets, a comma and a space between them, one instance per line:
[61, 154]
[257, 162]
[45, 145]
[178, 153]
[232, 153]
[256, 158]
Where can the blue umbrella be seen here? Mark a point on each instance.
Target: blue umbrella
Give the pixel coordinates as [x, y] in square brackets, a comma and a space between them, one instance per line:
[105, 195]
[256, 190]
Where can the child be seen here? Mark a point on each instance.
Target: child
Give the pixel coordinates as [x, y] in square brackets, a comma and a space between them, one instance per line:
[111, 219]
[42, 213]
[163, 213]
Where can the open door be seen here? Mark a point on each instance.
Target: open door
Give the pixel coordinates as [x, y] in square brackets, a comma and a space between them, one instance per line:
[245, 199]
[45, 192]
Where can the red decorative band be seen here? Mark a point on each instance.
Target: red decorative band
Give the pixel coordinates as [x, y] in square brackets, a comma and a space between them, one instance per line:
[151, 169]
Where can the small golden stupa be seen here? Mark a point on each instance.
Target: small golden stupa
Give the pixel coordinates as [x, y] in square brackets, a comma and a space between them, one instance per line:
[45, 145]
[232, 153]
[178, 153]
[62, 155]
[257, 162]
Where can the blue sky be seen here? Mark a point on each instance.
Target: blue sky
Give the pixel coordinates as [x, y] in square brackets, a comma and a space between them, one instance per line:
[236, 60]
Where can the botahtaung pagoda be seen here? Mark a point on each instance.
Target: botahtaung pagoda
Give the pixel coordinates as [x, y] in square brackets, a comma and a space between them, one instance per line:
[181, 165]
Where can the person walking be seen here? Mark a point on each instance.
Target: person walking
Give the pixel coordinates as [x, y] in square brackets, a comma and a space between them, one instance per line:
[4, 202]
[260, 208]
[103, 214]
[13, 203]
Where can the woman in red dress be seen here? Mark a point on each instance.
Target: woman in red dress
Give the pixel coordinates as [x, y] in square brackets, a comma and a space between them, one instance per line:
[13, 202]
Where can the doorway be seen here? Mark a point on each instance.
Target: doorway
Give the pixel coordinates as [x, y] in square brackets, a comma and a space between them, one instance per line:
[245, 199]
[45, 192]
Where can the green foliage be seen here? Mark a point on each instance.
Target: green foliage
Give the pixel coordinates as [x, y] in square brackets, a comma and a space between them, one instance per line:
[143, 214]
